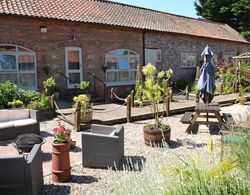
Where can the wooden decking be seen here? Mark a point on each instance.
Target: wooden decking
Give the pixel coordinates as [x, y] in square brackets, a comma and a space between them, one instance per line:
[114, 113]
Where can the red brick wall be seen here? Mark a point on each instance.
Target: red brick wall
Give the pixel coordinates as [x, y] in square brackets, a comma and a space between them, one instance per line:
[95, 41]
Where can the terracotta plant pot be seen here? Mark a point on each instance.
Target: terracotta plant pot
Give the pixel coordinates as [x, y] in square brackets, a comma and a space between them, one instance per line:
[154, 137]
[86, 118]
[60, 162]
[242, 101]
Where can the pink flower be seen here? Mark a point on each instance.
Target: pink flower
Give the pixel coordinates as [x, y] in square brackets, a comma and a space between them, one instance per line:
[61, 134]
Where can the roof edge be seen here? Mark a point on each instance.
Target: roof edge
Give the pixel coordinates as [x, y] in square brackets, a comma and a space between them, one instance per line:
[162, 12]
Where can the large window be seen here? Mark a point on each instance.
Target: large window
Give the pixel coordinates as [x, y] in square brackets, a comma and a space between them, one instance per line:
[121, 67]
[18, 65]
[188, 60]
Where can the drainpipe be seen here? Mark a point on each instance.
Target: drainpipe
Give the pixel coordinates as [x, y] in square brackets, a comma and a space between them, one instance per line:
[143, 47]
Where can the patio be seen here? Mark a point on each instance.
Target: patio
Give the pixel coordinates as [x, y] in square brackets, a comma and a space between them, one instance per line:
[101, 181]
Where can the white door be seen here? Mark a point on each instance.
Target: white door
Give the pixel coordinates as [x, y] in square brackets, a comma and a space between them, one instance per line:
[152, 56]
[73, 58]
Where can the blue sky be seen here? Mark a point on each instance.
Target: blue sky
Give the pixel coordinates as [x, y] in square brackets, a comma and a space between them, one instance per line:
[179, 7]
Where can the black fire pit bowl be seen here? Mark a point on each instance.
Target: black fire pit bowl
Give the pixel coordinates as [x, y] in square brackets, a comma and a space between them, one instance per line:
[25, 142]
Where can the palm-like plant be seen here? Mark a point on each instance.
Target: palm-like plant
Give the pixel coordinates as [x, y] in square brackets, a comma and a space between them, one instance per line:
[155, 89]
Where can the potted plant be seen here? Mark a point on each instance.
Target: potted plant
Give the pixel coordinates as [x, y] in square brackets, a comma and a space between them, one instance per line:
[50, 87]
[85, 86]
[60, 153]
[241, 99]
[43, 105]
[155, 90]
[83, 103]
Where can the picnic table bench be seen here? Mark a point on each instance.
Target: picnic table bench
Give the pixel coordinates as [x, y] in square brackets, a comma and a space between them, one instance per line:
[207, 112]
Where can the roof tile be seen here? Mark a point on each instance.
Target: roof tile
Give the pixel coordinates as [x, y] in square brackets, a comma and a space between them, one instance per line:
[110, 13]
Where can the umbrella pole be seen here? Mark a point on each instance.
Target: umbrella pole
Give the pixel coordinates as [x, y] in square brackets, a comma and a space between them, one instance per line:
[206, 98]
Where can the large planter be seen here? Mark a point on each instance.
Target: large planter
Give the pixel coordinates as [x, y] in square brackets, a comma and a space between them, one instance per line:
[86, 118]
[154, 137]
[45, 114]
[60, 162]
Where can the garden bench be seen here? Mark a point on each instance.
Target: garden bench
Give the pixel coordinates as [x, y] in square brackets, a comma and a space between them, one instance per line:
[186, 118]
[229, 120]
[207, 112]
[14, 122]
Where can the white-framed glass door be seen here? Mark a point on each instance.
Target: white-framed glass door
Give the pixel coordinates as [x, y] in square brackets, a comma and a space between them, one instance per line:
[73, 63]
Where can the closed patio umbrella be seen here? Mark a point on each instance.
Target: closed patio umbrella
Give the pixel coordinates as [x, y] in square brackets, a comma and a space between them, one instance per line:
[206, 82]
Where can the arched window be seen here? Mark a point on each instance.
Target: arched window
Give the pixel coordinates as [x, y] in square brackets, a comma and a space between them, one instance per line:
[121, 67]
[18, 65]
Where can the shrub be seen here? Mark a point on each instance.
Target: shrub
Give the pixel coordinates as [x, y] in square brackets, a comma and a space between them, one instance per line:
[8, 93]
[50, 86]
[181, 84]
[42, 102]
[85, 85]
[15, 104]
[84, 103]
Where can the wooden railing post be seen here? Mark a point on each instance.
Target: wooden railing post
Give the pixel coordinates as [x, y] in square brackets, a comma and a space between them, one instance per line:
[197, 97]
[221, 88]
[132, 98]
[77, 118]
[171, 94]
[112, 94]
[129, 109]
[167, 105]
[104, 92]
[52, 104]
[187, 93]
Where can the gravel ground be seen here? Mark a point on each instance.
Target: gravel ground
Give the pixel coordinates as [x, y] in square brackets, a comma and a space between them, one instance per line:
[182, 147]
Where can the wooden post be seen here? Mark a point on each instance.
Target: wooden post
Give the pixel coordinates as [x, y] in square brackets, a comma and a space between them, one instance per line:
[197, 75]
[221, 88]
[133, 98]
[52, 104]
[167, 104]
[187, 93]
[129, 109]
[77, 118]
[112, 94]
[171, 94]
[197, 97]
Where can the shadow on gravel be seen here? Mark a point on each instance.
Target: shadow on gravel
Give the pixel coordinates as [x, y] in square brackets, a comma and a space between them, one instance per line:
[214, 129]
[190, 144]
[175, 144]
[46, 156]
[132, 163]
[82, 179]
[52, 189]
[46, 134]
[76, 149]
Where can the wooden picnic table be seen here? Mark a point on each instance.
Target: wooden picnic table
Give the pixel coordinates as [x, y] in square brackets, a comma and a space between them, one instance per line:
[207, 112]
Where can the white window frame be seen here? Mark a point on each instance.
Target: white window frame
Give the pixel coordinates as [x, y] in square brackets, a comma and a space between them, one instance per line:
[80, 71]
[226, 58]
[158, 54]
[16, 53]
[117, 71]
[190, 54]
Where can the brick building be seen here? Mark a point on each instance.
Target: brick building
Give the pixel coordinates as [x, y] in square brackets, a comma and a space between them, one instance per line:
[77, 39]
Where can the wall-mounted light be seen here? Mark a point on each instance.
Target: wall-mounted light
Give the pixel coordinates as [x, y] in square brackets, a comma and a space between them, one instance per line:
[73, 36]
[43, 29]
